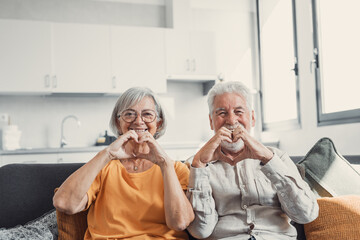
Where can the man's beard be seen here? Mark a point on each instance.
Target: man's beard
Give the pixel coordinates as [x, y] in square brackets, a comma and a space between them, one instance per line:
[233, 147]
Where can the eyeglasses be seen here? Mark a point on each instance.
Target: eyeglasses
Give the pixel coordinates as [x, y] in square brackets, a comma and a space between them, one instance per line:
[129, 115]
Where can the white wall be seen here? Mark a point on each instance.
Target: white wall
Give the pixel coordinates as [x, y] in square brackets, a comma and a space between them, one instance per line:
[298, 142]
[39, 118]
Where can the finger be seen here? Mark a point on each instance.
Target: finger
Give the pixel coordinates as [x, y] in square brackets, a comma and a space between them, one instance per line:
[126, 137]
[227, 160]
[240, 133]
[142, 155]
[225, 129]
[237, 136]
[240, 157]
[132, 135]
[223, 136]
[221, 156]
[224, 132]
[145, 138]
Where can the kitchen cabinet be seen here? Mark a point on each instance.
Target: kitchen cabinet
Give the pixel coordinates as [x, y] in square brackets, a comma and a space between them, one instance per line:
[138, 58]
[44, 57]
[25, 59]
[81, 58]
[190, 53]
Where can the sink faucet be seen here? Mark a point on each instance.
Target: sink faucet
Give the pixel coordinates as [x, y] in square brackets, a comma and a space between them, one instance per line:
[63, 141]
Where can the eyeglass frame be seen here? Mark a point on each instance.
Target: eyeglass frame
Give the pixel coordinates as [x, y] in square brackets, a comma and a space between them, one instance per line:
[137, 114]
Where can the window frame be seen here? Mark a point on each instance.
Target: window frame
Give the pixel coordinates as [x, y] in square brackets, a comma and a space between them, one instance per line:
[291, 123]
[324, 119]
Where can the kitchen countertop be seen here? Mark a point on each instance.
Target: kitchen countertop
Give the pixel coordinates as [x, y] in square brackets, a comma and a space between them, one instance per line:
[166, 146]
[51, 150]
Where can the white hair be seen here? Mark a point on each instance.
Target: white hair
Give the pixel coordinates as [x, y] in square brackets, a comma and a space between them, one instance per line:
[131, 97]
[229, 87]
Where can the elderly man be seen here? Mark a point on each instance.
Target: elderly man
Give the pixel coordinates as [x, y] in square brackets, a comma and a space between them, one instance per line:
[239, 188]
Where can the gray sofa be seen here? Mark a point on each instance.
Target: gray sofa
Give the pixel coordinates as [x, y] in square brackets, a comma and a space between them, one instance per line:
[26, 190]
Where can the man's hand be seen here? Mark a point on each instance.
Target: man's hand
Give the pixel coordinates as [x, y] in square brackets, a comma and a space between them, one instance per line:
[252, 148]
[212, 151]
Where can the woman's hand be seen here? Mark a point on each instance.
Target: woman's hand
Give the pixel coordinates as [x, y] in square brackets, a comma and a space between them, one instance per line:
[117, 149]
[156, 154]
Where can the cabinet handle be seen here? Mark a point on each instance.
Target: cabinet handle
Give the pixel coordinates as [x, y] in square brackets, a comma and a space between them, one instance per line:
[194, 65]
[187, 64]
[47, 81]
[54, 81]
[113, 82]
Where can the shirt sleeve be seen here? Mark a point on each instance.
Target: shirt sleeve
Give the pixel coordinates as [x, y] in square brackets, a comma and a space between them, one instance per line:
[295, 196]
[182, 172]
[93, 190]
[200, 195]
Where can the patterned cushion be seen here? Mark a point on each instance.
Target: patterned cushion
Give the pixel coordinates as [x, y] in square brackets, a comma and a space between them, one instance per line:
[339, 218]
[43, 228]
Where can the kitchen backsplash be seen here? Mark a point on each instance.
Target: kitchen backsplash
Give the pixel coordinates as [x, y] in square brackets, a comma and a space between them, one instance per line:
[39, 117]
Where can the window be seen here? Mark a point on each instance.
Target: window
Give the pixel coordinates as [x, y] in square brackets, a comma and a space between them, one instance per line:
[279, 94]
[336, 60]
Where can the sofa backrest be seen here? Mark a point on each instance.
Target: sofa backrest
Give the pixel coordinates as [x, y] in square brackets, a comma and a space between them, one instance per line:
[26, 190]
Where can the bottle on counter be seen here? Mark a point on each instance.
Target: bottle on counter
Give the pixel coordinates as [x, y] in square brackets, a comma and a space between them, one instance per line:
[105, 140]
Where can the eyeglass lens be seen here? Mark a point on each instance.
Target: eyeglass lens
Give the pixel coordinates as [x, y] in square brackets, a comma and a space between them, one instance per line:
[146, 115]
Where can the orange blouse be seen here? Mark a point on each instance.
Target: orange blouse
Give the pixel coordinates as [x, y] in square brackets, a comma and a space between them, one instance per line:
[130, 205]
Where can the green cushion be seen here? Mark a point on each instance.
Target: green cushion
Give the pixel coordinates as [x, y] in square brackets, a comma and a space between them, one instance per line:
[328, 173]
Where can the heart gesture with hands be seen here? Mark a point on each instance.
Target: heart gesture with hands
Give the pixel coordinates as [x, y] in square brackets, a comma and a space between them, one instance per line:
[117, 149]
[155, 154]
[252, 148]
[211, 151]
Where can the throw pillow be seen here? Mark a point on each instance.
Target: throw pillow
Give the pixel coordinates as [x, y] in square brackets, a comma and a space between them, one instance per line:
[328, 173]
[339, 218]
[43, 227]
[71, 227]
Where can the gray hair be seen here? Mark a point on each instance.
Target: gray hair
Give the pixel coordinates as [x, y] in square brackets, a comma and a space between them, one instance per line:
[229, 87]
[131, 97]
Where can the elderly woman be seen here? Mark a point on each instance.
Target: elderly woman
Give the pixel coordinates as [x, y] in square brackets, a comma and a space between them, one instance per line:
[132, 189]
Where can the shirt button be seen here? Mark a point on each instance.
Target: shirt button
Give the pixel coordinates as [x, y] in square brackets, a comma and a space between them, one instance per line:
[245, 207]
[282, 194]
[268, 174]
[252, 225]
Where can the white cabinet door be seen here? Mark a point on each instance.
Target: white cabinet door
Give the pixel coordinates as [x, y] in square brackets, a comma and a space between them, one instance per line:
[25, 56]
[138, 58]
[29, 158]
[75, 157]
[178, 57]
[202, 49]
[81, 58]
[190, 53]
